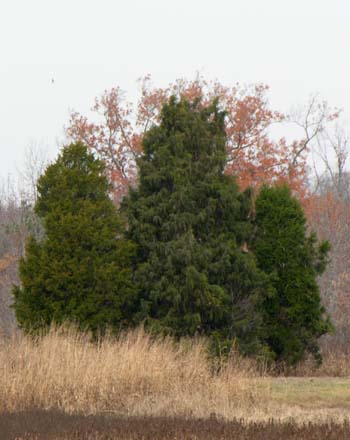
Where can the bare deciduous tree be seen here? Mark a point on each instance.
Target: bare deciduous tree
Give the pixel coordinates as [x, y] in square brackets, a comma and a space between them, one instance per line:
[34, 163]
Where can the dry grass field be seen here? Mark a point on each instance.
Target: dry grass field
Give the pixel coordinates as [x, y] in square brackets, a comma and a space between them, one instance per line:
[136, 377]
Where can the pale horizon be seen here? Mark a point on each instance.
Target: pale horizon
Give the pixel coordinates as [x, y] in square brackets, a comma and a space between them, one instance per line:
[297, 48]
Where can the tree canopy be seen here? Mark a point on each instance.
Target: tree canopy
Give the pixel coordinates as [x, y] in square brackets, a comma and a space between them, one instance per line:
[196, 255]
[293, 313]
[190, 221]
[80, 270]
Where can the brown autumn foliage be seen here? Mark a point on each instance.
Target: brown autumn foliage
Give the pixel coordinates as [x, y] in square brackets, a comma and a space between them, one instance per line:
[8, 275]
[253, 156]
[329, 216]
[328, 212]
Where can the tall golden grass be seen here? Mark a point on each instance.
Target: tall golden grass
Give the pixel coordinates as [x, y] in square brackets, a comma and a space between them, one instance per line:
[336, 363]
[134, 374]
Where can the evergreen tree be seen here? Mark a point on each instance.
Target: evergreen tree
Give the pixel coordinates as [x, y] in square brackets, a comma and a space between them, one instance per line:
[190, 222]
[293, 313]
[79, 271]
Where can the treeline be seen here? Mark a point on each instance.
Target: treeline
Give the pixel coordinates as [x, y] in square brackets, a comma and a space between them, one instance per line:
[188, 251]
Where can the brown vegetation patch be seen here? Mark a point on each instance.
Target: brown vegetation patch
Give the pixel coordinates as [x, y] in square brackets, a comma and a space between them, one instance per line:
[139, 376]
[132, 375]
[56, 425]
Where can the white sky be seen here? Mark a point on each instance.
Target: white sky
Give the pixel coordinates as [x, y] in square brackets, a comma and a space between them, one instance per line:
[297, 47]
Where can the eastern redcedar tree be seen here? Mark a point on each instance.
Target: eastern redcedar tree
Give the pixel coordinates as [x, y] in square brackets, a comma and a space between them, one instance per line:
[294, 318]
[80, 270]
[189, 221]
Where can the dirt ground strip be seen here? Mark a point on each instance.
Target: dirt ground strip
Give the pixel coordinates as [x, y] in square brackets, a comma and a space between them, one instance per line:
[56, 425]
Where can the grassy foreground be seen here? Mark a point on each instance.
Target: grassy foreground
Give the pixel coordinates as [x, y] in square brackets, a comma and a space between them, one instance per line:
[140, 379]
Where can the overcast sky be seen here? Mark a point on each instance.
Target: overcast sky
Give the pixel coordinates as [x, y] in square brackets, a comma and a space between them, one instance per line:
[296, 47]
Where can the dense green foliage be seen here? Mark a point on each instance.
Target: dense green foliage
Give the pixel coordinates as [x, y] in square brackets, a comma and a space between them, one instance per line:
[182, 265]
[80, 270]
[189, 222]
[293, 313]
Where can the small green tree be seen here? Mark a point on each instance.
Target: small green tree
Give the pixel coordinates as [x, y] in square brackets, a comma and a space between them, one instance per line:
[293, 313]
[80, 270]
[189, 222]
